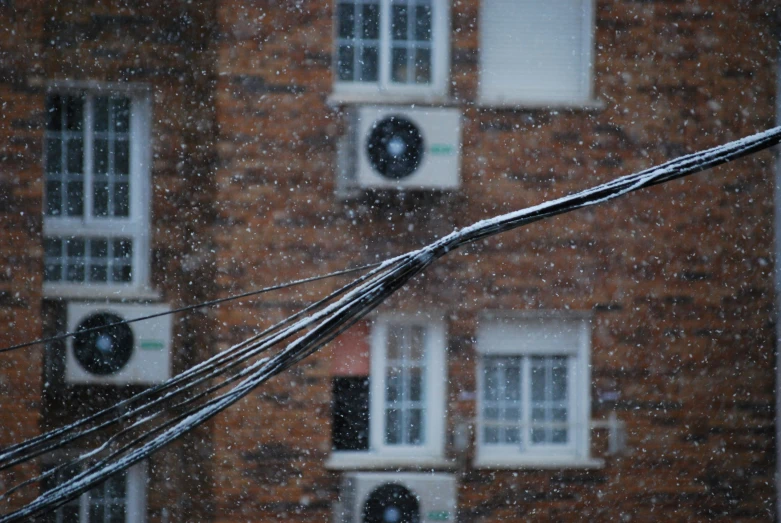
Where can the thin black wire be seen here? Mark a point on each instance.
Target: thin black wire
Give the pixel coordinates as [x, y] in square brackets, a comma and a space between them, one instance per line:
[192, 307]
[368, 296]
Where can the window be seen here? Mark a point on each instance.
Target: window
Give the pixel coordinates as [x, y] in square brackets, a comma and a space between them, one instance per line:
[120, 499]
[536, 53]
[397, 413]
[533, 395]
[391, 47]
[96, 192]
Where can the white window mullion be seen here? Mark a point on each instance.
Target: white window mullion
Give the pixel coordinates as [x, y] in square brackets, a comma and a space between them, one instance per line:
[385, 44]
[88, 157]
[526, 402]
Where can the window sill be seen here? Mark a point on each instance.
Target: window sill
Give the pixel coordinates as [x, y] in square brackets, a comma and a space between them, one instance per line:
[536, 462]
[374, 461]
[573, 105]
[96, 292]
[382, 98]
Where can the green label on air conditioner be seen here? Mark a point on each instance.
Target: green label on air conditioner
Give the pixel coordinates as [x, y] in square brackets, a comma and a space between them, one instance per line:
[151, 344]
[441, 515]
[441, 148]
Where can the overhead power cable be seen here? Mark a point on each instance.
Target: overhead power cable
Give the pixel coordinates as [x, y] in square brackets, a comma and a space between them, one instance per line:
[316, 328]
[187, 308]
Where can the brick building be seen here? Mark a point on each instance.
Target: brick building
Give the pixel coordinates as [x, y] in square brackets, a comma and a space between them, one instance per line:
[617, 362]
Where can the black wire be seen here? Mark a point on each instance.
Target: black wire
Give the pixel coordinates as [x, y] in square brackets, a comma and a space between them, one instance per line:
[193, 307]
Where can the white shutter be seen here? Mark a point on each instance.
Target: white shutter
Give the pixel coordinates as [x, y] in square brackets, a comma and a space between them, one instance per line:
[534, 52]
[539, 336]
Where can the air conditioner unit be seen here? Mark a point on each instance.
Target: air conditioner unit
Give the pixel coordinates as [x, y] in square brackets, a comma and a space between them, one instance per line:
[405, 148]
[135, 353]
[377, 497]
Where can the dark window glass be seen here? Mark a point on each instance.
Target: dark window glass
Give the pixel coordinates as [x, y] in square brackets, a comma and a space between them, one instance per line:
[53, 198]
[75, 198]
[346, 20]
[423, 23]
[121, 115]
[399, 65]
[101, 114]
[345, 64]
[53, 155]
[75, 155]
[54, 113]
[371, 22]
[350, 409]
[369, 64]
[121, 157]
[399, 22]
[74, 113]
[100, 155]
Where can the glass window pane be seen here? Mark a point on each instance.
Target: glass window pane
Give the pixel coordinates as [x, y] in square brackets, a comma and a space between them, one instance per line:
[423, 22]
[123, 248]
[399, 22]
[416, 385]
[369, 64]
[414, 427]
[117, 513]
[75, 247]
[395, 342]
[122, 274]
[75, 156]
[538, 435]
[399, 65]
[70, 513]
[512, 414]
[121, 115]
[491, 384]
[100, 155]
[371, 22]
[417, 343]
[393, 385]
[121, 199]
[121, 157]
[559, 381]
[53, 155]
[345, 14]
[75, 199]
[54, 113]
[512, 435]
[538, 379]
[52, 247]
[98, 272]
[491, 435]
[422, 66]
[74, 113]
[392, 426]
[491, 413]
[100, 199]
[538, 414]
[96, 512]
[558, 415]
[75, 271]
[52, 272]
[98, 248]
[345, 62]
[101, 114]
[559, 436]
[53, 198]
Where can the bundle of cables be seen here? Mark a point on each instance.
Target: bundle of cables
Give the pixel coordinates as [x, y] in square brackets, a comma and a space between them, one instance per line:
[135, 428]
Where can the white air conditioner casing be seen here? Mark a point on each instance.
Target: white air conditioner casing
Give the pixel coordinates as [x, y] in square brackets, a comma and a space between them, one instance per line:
[440, 159]
[435, 494]
[147, 353]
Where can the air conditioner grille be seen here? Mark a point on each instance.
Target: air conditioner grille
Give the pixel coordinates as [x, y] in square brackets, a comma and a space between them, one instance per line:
[106, 351]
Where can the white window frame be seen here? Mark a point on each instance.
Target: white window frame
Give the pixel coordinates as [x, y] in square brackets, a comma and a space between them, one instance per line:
[135, 498]
[137, 225]
[540, 98]
[384, 90]
[526, 335]
[431, 452]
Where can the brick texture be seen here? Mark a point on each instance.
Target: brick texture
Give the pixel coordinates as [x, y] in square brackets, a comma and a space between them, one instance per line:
[678, 278]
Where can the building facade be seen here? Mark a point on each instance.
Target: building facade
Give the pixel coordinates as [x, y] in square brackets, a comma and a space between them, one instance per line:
[617, 362]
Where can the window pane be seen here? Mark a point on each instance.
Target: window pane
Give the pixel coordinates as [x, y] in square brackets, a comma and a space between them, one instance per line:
[538, 435]
[75, 155]
[392, 426]
[96, 512]
[54, 113]
[75, 199]
[53, 155]
[350, 410]
[559, 436]
[53, 198]
[100, 155]
[423, 22]
[121, 115]
[122, 273]
[422, 66]
[98, 273]
[75, 247]
[369, 64]
[52, 247]
[416, 385]
[101, 114]
[491, 384]
[98, 248]
[345, 63]
[417, 343]
[559, 381]
[345, 20]
[414, 427]
[121, 199]
[399, 65]
[399, 22]
[491, 413]
[100, 199]
[121, 157]
[538, 379]
[395, 342]
[74, 113]
[52, 272]
[70, 513]
[491, 435]
[393, 383]
[371, 22]
[75, 271]
[512, 435]
[123, 248]
[117, 513]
